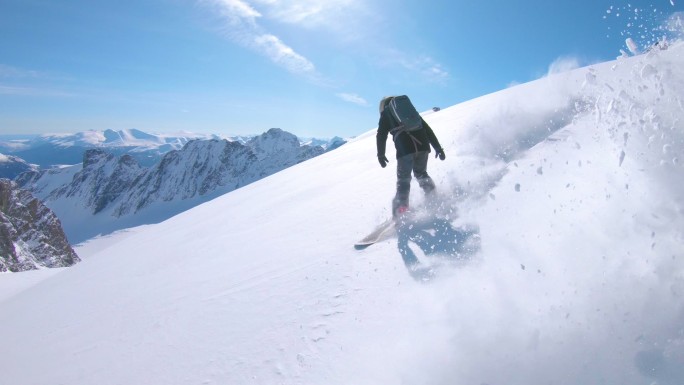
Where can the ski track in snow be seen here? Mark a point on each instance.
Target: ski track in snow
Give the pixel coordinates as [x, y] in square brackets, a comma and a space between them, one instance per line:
[569, 188]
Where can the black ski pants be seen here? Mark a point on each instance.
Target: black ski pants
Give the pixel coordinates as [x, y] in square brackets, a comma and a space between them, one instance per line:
[416, 163]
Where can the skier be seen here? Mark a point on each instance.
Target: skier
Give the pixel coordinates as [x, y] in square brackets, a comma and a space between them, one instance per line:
[412, 149]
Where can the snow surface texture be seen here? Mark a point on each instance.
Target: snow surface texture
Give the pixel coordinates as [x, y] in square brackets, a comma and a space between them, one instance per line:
[573, 183]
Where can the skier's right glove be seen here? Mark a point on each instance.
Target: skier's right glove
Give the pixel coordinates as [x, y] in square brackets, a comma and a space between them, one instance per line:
[440, 154]
[383, 160]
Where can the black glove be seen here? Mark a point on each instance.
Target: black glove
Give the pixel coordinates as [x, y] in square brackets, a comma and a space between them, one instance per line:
[383, 160]
[440, 153]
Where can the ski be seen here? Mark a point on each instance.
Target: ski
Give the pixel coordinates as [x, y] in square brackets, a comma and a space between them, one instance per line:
[382, 232]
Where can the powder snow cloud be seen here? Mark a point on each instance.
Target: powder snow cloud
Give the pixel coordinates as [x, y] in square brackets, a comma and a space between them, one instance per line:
[563, 64]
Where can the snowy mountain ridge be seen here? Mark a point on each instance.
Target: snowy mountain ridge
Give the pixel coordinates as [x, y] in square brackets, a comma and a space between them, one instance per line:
[67, 149]
[573, 183]
[12, 166]
[109, 192]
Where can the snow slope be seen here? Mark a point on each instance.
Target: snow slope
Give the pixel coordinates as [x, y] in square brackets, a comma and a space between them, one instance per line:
[572, 182]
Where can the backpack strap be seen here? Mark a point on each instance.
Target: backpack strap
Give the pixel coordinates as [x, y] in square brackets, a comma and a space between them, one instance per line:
[398, 130]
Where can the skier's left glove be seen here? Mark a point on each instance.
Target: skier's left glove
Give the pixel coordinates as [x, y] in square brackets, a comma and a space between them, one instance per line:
[383, 160]
[440, 154]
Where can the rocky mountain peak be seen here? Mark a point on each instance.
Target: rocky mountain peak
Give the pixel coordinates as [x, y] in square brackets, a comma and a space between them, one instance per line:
[31, 236]
[273, 141]
[94, 156]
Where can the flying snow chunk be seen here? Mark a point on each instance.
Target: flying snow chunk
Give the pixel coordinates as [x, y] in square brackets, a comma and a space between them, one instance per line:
[632, 46]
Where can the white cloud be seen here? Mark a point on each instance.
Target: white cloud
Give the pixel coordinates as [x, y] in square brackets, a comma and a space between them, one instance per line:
[347, 22]
[435, 72]
[295, 12]
[424, 67]
[283, 55]
[563, 64]
[236, 11]
[241, 25]
[26, 82]
[341, 15]
[353, 98]
[14, 72]
[32, 91]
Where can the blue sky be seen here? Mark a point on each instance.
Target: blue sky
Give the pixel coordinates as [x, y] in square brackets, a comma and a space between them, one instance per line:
[311, 67]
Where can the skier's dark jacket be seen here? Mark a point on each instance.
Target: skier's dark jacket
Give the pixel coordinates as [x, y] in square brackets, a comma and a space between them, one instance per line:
[402, 141]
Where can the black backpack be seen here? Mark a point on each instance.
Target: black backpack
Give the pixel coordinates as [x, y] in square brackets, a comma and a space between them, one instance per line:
[404, 114]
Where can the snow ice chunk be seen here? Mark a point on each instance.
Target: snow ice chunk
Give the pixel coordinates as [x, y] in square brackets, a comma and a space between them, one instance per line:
[517, 187]
[632, 46]
[622, 157]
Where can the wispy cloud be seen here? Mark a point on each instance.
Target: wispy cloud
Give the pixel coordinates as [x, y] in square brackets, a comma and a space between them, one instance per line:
[348, 24]
[283, 55]
[302, 11]
[341, 16]
[353, 98]
[423, 67]
[26, 82]
[434, 71]
[235, 12]
[16, 73]
[32, 91]
[241, 24]
[352, 20]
